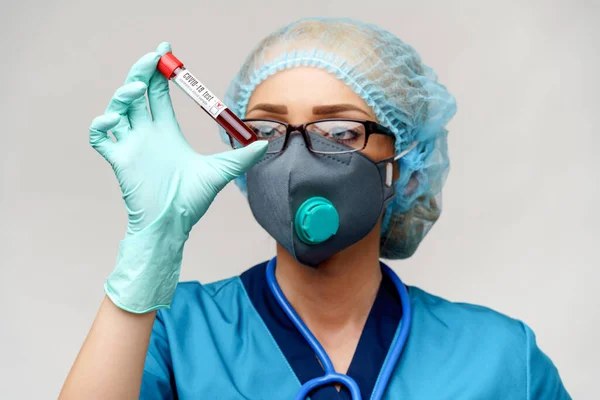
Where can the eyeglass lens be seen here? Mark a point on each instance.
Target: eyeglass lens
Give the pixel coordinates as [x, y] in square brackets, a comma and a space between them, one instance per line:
[348, 133]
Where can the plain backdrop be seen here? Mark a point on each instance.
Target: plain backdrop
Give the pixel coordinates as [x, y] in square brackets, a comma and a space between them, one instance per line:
[520, 228]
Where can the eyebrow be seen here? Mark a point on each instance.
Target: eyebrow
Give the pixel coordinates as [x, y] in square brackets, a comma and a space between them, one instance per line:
[271, 108]
[317, 110]
[337, 108]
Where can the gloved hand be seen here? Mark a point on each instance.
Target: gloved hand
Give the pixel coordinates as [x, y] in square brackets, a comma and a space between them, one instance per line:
[167, 187]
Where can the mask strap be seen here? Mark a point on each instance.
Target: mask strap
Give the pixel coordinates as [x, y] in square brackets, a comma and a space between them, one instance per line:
[389, 167]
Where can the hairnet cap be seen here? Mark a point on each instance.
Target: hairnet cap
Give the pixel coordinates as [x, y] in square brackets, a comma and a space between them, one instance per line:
[402, 91]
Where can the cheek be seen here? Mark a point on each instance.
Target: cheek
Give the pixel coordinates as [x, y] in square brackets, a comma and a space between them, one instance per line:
[396, 171]
[379, 147]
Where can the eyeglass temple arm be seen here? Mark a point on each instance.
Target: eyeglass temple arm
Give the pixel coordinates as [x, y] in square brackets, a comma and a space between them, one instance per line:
[389, 168]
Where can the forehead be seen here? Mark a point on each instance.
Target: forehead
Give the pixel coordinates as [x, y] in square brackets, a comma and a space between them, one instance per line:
[305, 87]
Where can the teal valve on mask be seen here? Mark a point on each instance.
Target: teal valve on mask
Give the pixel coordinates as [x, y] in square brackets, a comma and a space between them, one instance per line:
[316, 220]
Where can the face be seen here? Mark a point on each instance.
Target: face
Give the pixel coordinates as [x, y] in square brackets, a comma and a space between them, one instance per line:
[297, 96]
[305, 94]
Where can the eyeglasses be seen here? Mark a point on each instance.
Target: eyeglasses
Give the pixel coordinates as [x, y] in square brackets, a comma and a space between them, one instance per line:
[319, 136]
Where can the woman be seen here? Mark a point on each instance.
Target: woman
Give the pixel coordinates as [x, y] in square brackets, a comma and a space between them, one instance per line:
[349, 170]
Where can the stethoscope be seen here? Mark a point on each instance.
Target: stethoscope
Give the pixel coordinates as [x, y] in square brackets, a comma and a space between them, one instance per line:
[330, 375]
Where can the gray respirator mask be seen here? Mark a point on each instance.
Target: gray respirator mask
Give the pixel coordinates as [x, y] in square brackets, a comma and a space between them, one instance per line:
[315, 205]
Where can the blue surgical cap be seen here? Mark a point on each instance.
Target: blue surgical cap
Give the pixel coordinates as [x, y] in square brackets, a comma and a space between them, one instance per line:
[402, 91]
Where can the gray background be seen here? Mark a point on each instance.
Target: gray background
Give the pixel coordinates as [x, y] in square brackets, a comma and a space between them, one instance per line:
[520, 228]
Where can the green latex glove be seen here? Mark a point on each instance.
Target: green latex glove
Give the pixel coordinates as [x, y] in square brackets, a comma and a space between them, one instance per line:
[167, 187]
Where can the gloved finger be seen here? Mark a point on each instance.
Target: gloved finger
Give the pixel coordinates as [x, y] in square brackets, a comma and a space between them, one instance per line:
[163, 48]
[234, 163]
[144, 68]
[158, 92]
[121, 103]
[141, 71]
[138, 112]
[159, 98]
[99, 128]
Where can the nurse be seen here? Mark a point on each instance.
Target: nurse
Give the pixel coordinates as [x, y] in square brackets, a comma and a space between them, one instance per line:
[349, 170]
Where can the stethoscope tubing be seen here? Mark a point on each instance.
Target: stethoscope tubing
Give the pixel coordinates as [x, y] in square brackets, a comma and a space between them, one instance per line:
[330, 375]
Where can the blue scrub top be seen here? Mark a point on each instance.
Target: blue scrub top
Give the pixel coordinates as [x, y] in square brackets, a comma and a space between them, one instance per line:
[231, 340]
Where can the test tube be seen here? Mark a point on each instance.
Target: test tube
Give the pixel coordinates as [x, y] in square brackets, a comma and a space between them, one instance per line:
[173, 70]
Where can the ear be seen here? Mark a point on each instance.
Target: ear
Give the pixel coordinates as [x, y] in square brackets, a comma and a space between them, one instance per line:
[412, 185]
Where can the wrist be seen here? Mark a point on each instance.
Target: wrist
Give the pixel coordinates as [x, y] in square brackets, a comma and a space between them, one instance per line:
[147, 269]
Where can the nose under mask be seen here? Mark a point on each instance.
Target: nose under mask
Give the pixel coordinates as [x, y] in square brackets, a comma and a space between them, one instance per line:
[315, 205]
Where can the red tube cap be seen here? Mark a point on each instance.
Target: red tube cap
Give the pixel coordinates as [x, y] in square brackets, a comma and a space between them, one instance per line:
[168, 64]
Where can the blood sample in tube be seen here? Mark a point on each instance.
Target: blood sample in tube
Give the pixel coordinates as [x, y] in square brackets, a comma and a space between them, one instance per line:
[173, 70]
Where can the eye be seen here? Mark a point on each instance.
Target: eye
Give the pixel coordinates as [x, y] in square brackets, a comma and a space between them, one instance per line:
[266, 129]
[350, 133]
[266, 132]
[343, 133]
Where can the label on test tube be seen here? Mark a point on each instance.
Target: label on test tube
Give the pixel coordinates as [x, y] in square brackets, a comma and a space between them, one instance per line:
[197, 91]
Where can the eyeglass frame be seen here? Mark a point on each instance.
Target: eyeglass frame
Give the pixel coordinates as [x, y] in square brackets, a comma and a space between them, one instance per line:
[371, 128]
